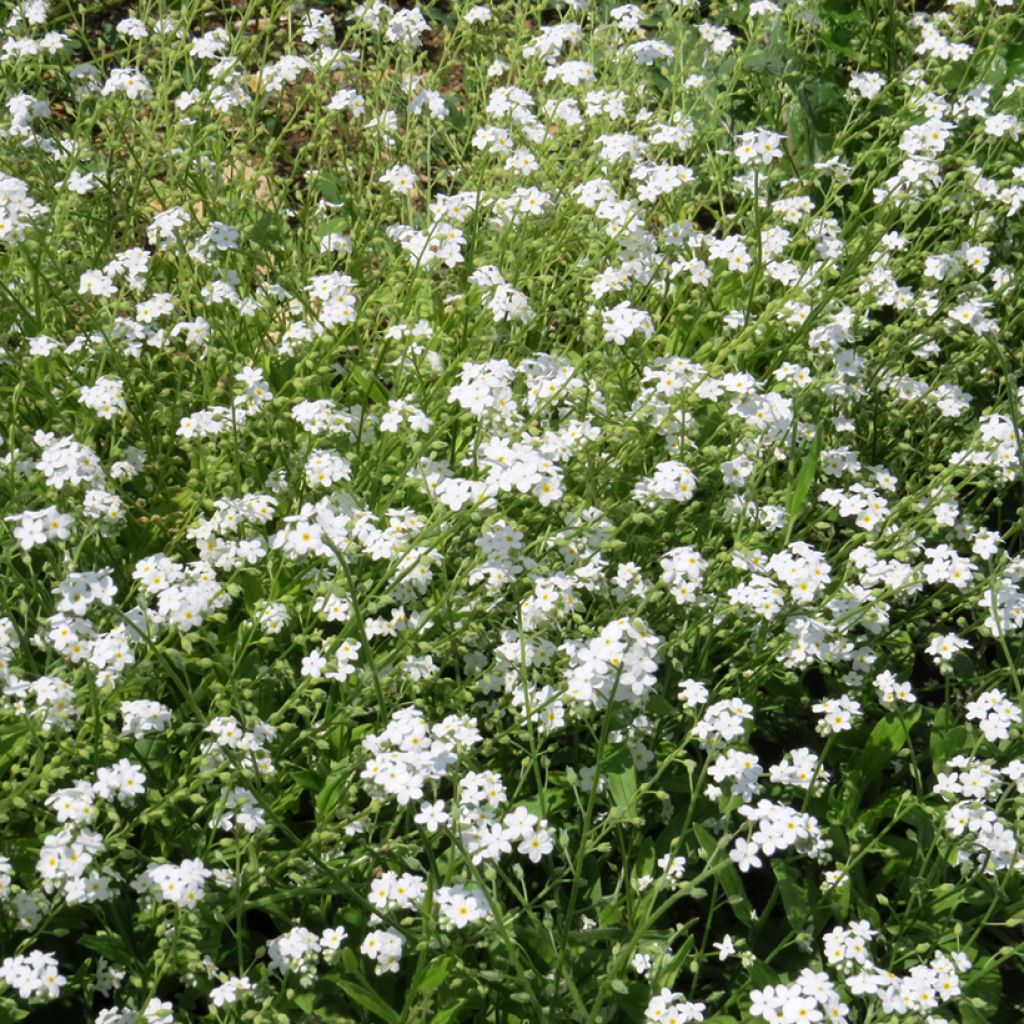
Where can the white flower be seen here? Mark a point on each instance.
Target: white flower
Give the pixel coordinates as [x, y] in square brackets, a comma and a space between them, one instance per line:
[228, 992]
[995, 713]
[432, 816]
[745, 855]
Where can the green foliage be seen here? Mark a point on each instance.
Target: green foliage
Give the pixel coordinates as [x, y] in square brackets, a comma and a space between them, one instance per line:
[555, 483]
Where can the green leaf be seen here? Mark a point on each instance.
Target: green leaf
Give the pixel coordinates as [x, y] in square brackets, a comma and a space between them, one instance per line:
[537, 942]
[269, 229]
[337, 223]
[761, 974]
[330, 188]
[843, 10]
[660, 707]
[669, 970]
[813, 117]
[370, 388]
[448, 1014]
[110, 946]
[946, 740]
[985, 982]
[887, 738]
[11, 739]
[821, 101]
[309, 780]
[771, 61]
[802, 484]
[727, 875]
[658, 80]
[437, 972]
[365, 997]
[794, 896]
[621, 778]
[631, 997]
[10, 1011]
[328, 797]
[969, 1015]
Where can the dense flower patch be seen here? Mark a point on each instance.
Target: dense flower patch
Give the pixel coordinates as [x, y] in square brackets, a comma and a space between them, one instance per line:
[511, 513]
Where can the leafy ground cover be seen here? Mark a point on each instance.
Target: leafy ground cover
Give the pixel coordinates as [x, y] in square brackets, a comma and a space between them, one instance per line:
[511, 513]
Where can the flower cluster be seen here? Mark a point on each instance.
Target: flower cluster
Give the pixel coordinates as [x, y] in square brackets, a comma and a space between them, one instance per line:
[510, 517]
